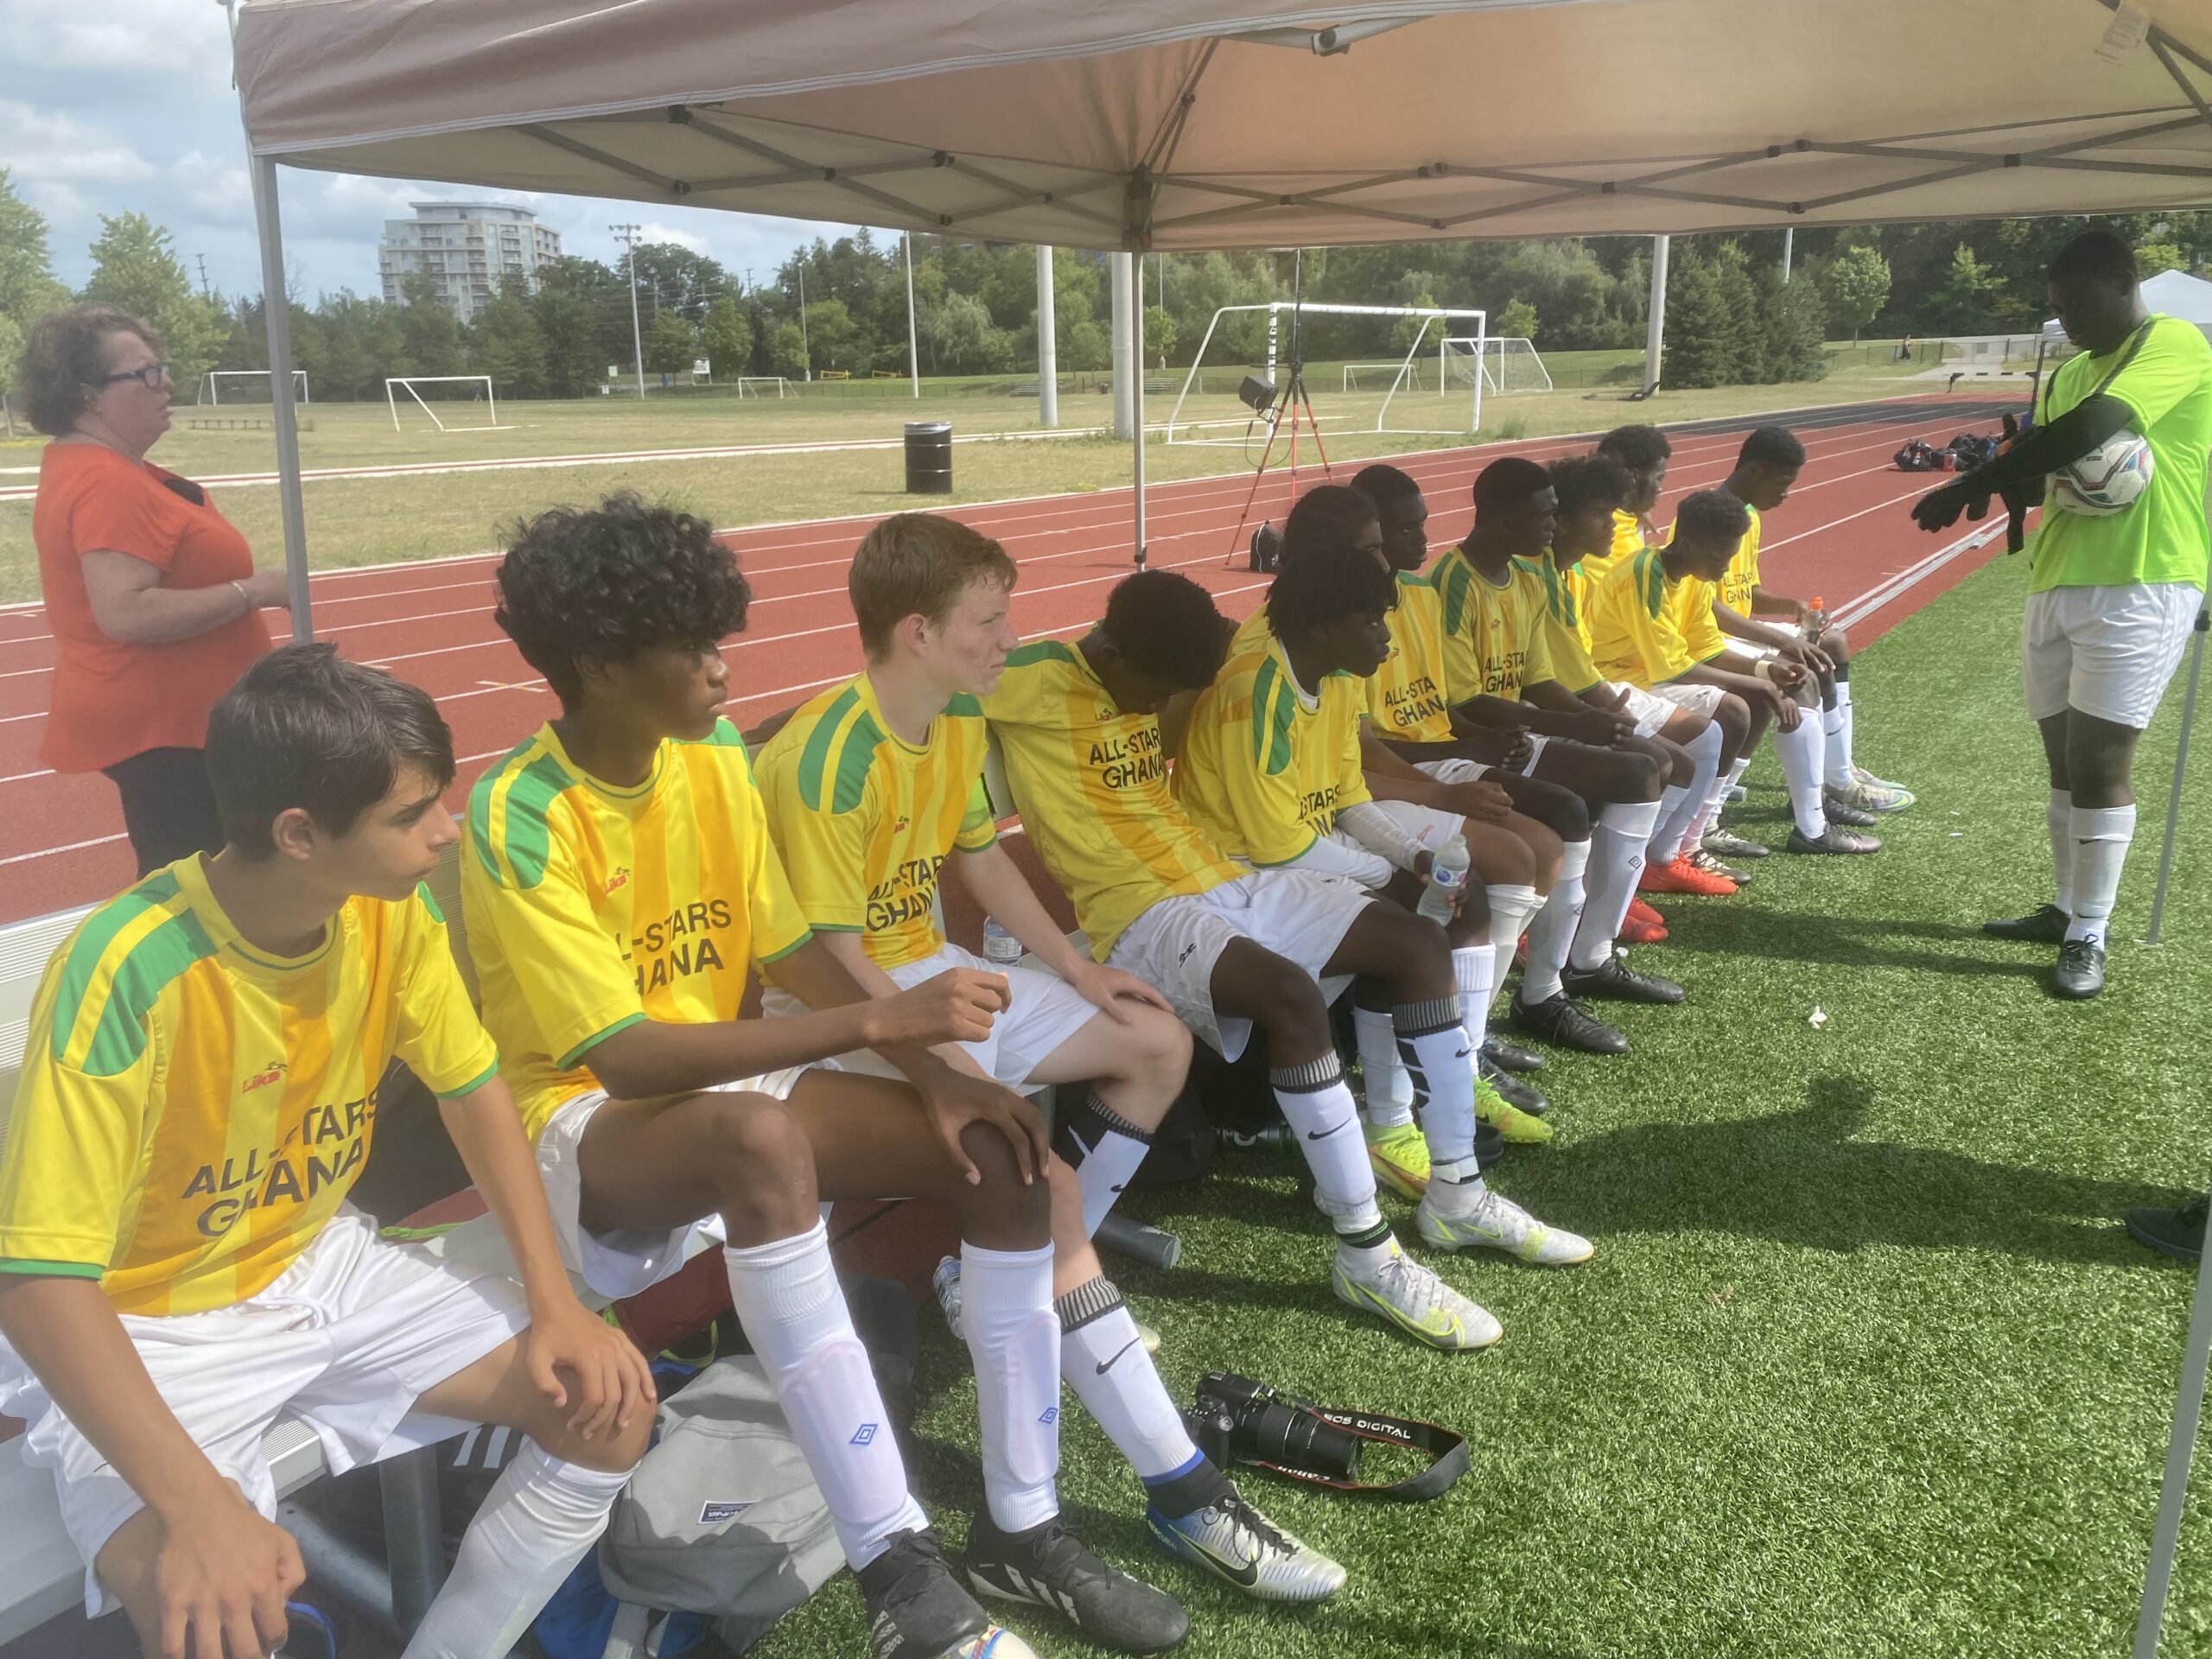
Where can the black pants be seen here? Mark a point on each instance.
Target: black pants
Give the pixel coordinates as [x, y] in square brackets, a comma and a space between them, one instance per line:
[168, 808]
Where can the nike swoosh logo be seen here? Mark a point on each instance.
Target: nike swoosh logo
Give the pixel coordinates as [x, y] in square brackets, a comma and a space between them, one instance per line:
[1463, 1054]
[1118, 1352]
[1323, 1135]
[1122, 1186]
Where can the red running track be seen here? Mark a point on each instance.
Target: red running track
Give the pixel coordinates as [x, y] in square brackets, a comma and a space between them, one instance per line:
[1843, 532]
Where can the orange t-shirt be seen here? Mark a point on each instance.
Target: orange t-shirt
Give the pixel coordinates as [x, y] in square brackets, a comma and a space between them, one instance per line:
[111, 700]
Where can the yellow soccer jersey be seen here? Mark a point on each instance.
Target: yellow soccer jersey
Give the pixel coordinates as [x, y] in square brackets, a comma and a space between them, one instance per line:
[590, 908]
[1566, 633]
[192, 1111]
[1408, 699]
[863, 820]
[1494, 637]
[1263, 771]
[1253, 633]
[1646, 628]
[1092, 785]
[1734, 588]
[1628, 542]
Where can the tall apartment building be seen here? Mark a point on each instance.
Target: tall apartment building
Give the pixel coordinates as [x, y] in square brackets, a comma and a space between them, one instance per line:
[465, 248]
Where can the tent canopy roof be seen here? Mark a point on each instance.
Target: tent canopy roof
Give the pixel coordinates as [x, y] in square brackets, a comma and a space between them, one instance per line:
[1202, 123]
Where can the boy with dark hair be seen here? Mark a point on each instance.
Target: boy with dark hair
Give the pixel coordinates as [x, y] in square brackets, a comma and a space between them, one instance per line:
[1767, 466]
[618, 884]
[1651, 624]
[1228, 946]
[1270, 773]
[2111, 595]
[178, 1263]
[872, 787]
[1645, 452]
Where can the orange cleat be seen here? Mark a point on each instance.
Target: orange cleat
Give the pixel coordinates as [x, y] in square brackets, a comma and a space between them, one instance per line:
[1682, 876]
[1643, 925]
[1640, 912]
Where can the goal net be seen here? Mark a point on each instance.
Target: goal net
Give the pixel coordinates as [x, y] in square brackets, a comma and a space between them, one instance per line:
[1365, 368]
[248, 386]
[1504, 363]
[452, 402]
[763, 385]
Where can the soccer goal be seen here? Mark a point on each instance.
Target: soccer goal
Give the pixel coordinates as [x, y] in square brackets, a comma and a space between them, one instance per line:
[210, 386]
[760, 386]
[1504, 363]
[478, 394]
[1373, 393]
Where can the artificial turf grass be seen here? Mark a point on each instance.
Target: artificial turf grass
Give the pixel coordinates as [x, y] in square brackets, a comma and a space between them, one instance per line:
[1864, 1364]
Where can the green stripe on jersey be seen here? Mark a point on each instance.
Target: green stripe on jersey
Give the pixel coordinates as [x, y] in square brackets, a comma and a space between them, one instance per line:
[814, 759]
[1038, 651]
[526, 841]
[853, 761]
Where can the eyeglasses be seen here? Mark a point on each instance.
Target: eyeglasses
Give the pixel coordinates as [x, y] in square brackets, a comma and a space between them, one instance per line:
[150, 377]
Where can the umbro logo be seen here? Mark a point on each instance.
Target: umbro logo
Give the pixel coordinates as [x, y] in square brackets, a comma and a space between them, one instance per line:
[864, 1436]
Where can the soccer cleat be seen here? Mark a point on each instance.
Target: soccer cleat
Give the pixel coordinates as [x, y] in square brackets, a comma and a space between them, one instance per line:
[1615, 979]
[1643, 925]
[1559, 1019]
[1726, 843]
[1050, 1566]
[1414, 1299]
[1904, 797]
[2044, 924]
[917, 1609]
[1684, 876]
[2178, 1232]
[1738, 792]
[1234, 1542]
[1522, 1096]
[1836, 840]
[1399, 1156]
[1494, 1222]
[1519, 1128]
[1850, 817]
[1867, 798]
[1510, 1057]
[1703, 859]
[945, 1281]
[2079, 974]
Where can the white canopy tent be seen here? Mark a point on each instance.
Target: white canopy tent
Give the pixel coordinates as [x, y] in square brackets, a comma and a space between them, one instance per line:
[1206, 123]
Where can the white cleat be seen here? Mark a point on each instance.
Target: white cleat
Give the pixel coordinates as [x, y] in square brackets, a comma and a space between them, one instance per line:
[1414, 1299]
[1495, 1221]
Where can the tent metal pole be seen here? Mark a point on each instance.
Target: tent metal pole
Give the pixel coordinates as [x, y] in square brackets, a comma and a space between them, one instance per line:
[2181, 761]
[276, 317]
[1137, 388]
[1124, 353]
[1655, 328]
[1048, 355]
[914, 348]
[2173, 1488]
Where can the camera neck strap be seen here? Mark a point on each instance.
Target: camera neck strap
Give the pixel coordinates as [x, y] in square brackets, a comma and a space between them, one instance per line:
[1446, 1450]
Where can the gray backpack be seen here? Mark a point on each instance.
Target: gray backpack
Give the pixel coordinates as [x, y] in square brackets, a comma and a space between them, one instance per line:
[722, 1518]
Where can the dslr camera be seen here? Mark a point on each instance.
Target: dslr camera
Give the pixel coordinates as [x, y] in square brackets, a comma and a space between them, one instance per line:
[1236, 1419]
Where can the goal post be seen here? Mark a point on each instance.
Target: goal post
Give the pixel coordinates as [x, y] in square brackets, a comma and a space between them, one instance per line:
[760, 386]
[1503, 363]
[1403, 372]
[211, 385]
[394, 384]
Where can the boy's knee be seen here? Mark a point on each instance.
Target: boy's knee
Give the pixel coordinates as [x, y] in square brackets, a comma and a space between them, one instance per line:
[1024, 1204]
[1837, 645]
[761, 1161]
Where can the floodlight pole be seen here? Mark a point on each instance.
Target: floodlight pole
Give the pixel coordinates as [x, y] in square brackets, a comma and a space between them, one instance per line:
[805, 349]
[913, 351]
[1789, 247]
[1048, 355]
[1655, 326]
[628, 236]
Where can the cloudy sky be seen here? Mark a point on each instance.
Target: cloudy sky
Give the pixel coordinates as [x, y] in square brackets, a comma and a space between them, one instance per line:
[109, 106]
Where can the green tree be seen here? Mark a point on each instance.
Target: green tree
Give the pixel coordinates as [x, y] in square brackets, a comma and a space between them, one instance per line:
[669, 347]
[135, 266]
[27, 287]
[1517, 321]
[957, 336]
[835, 340]
[430, 334]
[1972, 299]
[726, 339]
[1711, 314]
[1791, 334]
[574, 358]
[786, 350]
[1856, 284]
[2155, 256]
[505, 343]
[1160, 334]
[12, 364]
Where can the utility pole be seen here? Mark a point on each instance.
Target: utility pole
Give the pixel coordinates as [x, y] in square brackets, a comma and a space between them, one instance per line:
[1654, 326]
[205, 291]
[913, 349]
[1048, 365]
[805, 350]
[1789, 247]
[628, 235]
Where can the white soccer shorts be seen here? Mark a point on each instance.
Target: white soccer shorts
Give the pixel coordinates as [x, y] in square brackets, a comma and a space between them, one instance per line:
[2107, 652]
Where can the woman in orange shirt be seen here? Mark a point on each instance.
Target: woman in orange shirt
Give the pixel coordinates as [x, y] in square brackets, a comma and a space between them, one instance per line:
[151, 593]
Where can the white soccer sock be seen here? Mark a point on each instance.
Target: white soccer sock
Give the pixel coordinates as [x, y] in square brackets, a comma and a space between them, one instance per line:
[2058, 817]
[1103, 1360]
[1432, 1042]
[1835, 748]
[541, 1516]
[1850, 726]
[1553, 931]
[1617, 844]
[1677, 821]
[787, 1299]
[2100, 837]
[1474, 969]
[1510, 911]
[1388, 1088]
[1005, 1313]
[1710, 814]
[1317, 1104]
[1799, 751]
[1106, 1150]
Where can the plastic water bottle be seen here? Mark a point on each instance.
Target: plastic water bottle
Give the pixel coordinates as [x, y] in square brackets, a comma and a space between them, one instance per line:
[1448, 873]
[1001, 948]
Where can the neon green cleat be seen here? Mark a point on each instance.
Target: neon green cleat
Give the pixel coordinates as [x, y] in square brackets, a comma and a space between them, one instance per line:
[1515, 1125]
[1400, 1155]
[1414, 1299]
[1494, 1222]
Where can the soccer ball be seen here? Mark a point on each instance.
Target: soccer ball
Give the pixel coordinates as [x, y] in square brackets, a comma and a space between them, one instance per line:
[2106, 481]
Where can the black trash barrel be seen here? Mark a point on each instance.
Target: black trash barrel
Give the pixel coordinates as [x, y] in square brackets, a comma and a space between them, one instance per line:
[929, 457]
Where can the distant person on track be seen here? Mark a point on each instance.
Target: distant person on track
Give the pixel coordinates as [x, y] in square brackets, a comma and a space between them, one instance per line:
[2111, 595]
[151, 593]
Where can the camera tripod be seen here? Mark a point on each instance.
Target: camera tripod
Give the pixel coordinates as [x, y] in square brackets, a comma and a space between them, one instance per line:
[1281, 406]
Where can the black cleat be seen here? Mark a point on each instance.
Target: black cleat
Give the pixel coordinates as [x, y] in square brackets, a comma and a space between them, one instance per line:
[2178, 1232]
[1050, 1566]
[1615, 979]
[1703, 859]
[1844, 813]
[1513, 1092]
[917, 1609]
[1836, 840]
[1510, 1057]
[2079, 974]
[1489, 1144]
[2044, 924]
[1559, 1019]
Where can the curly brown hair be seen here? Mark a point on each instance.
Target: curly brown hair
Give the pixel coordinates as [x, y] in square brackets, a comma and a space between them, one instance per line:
[66, 358]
